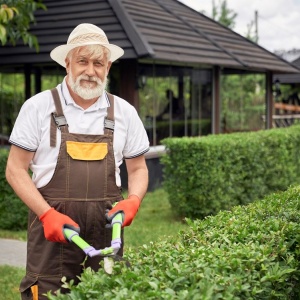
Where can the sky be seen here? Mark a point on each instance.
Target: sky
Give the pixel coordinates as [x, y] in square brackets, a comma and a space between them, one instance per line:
[278, 20]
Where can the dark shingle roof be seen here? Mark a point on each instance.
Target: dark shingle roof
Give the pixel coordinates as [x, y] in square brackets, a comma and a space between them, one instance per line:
[289, 78]
[164, 30]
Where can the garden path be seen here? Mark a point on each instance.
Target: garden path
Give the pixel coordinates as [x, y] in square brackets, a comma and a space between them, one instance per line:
[13, 253]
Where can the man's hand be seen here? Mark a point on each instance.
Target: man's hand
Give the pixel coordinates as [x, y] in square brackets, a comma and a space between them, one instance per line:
[54, 223]
[129, 207]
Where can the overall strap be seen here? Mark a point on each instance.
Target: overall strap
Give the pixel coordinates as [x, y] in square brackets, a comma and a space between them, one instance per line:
[109, 122]
[58, 119]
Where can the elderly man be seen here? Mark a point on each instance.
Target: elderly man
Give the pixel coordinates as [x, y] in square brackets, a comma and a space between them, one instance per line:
[74, 139]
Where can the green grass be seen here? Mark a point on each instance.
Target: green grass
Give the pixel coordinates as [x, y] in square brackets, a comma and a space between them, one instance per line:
[15, 235]
[10, 278]
[154, 221]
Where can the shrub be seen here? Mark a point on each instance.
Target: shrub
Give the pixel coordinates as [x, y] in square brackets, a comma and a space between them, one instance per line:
[251, 252]
[207, 174]
[13, 212]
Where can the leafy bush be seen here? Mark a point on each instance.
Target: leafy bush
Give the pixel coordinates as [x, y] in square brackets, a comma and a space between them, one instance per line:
[13, 212]
[251, 252]
[207, 174]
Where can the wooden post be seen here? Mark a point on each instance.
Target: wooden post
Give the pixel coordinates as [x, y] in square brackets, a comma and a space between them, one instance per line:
[38, 80]
[128, 81]
[216, 101]
[269, 101]
[27, 75]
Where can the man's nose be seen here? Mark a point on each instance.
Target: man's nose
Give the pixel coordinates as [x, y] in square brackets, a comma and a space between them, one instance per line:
[90, 71]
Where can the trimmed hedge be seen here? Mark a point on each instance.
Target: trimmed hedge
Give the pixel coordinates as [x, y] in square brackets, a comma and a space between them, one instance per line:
[251, 252]
[13, 212]
[205, 175]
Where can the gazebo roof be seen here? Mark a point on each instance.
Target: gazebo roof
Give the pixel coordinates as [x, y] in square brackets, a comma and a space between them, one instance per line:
[160, 30]
[289, 78]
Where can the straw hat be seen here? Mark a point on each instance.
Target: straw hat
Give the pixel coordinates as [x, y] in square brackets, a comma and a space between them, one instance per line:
[83, 35]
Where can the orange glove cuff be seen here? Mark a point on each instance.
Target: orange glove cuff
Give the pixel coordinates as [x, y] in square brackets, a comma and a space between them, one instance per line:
[129, 207]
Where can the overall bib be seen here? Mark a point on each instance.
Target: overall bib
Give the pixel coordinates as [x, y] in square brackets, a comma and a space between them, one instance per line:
[83, 187]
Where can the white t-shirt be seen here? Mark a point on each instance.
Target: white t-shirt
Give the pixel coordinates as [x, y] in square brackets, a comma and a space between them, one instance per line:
[32, 130]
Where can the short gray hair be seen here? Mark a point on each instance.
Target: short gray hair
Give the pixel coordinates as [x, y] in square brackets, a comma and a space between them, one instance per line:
[91, 50]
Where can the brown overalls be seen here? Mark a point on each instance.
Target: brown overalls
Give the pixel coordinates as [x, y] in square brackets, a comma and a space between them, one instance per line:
[83, 186]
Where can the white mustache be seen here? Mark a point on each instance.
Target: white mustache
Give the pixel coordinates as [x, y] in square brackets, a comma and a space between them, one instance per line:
[90, 78]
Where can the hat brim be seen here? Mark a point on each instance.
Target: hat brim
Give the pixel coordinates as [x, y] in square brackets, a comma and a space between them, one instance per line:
[59, 53]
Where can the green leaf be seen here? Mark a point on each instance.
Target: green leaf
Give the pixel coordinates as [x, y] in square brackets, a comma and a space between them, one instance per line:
[153, 285]
[2, 31]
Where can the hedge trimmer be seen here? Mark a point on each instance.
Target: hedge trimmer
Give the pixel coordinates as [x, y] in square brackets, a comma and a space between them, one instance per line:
[109, 252]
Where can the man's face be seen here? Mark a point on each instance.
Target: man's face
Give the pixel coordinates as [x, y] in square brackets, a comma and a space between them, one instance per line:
[87, 73]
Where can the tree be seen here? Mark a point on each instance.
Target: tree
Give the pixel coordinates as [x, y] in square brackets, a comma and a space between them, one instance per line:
[16, 16]
[223, 14]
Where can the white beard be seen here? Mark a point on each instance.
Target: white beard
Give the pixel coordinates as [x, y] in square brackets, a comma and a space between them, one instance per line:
[89, 92]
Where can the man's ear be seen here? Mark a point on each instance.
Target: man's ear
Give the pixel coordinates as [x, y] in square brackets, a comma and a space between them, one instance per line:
[67, 62]
[108, 67]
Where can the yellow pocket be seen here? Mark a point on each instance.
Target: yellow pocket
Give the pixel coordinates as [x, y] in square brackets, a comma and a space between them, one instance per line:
[87, 151]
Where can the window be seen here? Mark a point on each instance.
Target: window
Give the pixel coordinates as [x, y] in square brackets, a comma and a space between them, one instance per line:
[174, 101]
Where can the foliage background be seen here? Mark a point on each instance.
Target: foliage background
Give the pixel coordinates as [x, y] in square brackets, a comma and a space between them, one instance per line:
[15, 20]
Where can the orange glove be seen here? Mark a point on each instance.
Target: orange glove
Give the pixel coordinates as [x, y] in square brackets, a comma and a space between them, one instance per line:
[54, 223]
[128, 207]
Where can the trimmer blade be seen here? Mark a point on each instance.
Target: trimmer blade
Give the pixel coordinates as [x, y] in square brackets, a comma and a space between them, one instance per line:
[108, 264]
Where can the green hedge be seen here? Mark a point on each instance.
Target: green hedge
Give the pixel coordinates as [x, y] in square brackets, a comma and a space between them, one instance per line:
[13, 212]
[251, 252]
[205, 175]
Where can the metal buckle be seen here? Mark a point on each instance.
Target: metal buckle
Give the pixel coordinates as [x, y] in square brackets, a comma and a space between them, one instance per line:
[59, 120]
[109, 124]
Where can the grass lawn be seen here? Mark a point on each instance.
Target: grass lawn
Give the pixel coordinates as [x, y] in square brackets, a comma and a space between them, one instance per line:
[10, 278]
[154, 221]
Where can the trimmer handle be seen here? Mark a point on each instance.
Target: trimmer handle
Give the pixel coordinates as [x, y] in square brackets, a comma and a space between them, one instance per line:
[89, 250]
